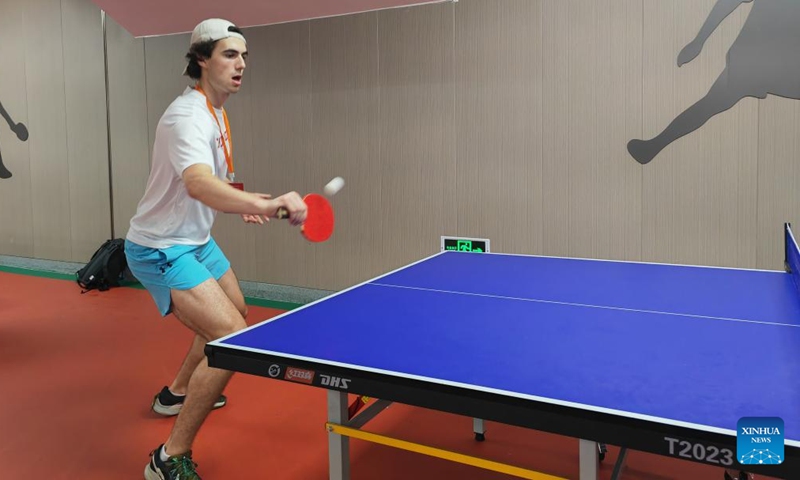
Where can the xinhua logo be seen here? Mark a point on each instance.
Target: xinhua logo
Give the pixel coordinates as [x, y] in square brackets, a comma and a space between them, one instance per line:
[759, 441]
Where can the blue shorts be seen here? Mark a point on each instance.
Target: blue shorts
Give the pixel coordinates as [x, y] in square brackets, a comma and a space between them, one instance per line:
[180, 267]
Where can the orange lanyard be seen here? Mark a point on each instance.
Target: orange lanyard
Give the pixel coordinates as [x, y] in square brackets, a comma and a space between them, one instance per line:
[228, 155]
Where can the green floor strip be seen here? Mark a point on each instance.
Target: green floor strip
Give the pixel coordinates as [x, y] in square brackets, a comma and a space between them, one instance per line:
[37, 273]
[262, 302]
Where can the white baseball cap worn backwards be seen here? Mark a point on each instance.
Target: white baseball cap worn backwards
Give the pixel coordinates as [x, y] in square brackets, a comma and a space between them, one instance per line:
[214, 29]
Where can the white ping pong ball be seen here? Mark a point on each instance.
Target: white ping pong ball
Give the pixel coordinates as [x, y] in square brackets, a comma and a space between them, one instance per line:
[334, 186]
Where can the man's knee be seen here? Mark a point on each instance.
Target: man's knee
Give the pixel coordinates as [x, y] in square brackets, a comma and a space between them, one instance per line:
[228, 327]
[211, 323]
[230, 285]
[225, 325]
[222, 327]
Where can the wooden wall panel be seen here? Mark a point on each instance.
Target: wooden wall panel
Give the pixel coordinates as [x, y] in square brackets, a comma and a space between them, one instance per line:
[591, 104]
[498, 120]
[44, 73]
[128, 128]
[282, 145]
[556, 136]
[345, 113]
[164, 79]
[87, 128]
[16, 209]
[611, 225]
[417, 133]
[778, 173]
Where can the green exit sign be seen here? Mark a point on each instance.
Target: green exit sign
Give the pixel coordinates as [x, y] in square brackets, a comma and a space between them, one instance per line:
[461, 244]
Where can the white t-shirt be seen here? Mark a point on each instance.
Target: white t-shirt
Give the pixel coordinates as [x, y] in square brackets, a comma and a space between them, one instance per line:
[186, 135]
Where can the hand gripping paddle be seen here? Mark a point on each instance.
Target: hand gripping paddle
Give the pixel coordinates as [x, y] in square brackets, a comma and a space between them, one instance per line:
[318, 226]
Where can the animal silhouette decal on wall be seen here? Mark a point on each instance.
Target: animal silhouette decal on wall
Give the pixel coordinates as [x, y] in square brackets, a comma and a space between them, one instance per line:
[764, 59]
[19, 129]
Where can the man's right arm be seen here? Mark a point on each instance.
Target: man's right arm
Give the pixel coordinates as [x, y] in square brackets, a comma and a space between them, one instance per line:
[202, 185]
[205, 187]
[189, 151]
[191, 157]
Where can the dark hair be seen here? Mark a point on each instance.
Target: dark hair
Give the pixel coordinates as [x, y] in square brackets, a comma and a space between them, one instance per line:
[198, 52]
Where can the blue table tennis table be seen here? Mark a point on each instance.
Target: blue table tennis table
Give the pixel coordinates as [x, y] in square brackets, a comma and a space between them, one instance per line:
[650, 357]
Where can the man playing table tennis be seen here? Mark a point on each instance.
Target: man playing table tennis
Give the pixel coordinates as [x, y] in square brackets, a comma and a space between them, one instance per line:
[169, 245]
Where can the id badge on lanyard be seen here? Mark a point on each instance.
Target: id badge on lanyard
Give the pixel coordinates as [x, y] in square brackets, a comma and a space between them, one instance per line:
[228, 154]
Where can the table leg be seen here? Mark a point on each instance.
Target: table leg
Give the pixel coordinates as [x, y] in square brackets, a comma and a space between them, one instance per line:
[479, 429]
[617, 473]
[338, 445]
[588, 460]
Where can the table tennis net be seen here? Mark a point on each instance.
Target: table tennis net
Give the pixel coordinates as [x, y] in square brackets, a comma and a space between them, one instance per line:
[792, 255]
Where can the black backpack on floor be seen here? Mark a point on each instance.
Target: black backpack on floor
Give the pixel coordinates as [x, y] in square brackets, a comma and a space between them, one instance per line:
[106, 267]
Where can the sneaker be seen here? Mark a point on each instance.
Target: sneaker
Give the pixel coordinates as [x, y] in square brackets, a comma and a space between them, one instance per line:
[165, 403]
[177, 467]
[740, 475]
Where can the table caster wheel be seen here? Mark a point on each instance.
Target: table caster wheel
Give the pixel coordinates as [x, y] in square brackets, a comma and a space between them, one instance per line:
[601, 451]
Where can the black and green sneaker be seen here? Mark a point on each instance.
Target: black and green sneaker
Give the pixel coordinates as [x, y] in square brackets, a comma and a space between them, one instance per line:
[167, 404]
[738, 475]
[177, 467]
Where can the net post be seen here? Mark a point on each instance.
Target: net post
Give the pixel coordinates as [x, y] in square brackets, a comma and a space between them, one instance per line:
[786, 237]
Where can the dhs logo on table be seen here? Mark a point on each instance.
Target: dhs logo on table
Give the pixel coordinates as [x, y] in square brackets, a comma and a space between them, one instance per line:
[759, 441]
[335, 382]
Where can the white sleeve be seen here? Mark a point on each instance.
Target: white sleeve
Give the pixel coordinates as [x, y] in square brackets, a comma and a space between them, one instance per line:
[189, 145]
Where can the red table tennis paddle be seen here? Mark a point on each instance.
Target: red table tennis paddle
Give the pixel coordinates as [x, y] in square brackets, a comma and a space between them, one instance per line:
[318, 226]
